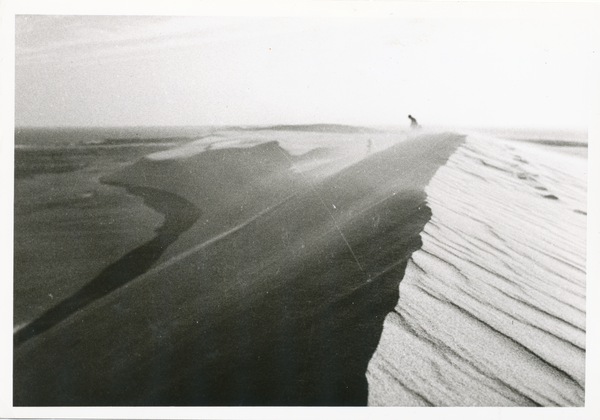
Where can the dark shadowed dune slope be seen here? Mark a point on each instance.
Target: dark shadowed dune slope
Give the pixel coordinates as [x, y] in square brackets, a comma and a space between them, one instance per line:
[179, 216]
[275, 296]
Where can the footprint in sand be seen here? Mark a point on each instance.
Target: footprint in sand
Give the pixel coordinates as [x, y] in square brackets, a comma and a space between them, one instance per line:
[520, 159]
[531, 178]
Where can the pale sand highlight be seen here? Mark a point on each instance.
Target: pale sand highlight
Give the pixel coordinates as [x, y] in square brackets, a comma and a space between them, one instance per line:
[277, 295]
[492, 308]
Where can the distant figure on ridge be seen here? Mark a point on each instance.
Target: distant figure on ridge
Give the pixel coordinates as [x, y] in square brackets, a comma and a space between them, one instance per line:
[413, 122]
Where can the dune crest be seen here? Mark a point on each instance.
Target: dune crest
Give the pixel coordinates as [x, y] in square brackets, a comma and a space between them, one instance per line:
[275, 296]
[492, 307]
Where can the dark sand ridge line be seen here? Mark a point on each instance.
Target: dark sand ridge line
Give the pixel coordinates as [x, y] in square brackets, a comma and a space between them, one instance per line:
[276, 312]
[229, 185]
[179, 215]
[321, 128]
[136, 140]
[176, 211]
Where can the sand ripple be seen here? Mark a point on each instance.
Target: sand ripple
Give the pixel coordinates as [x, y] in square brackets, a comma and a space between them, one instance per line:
[492, 308]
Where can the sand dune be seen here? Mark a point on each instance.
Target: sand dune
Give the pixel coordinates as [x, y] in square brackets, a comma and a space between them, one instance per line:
[179, 215]
[275, 296]
[334, 267]
[492, 308]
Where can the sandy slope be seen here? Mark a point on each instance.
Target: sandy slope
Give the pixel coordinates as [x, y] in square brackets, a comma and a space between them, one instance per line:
[276, 294]
[68, 226]
[492, 308]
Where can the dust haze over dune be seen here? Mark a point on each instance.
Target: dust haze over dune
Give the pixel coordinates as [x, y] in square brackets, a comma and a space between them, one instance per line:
[275, 296]
[322, 265]
[222, 210]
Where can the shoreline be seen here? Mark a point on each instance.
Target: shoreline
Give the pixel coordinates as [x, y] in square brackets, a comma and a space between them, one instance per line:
[179, 215]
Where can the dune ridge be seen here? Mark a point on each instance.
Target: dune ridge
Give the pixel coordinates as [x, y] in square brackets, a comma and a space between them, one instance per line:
[275, 296]
[492, 307]
[323, 128]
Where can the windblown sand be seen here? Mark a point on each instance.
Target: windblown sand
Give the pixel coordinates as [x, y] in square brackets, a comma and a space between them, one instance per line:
[492, 307]
[284, 254]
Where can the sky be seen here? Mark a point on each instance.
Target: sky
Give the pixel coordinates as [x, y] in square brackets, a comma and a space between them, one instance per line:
[74, 70]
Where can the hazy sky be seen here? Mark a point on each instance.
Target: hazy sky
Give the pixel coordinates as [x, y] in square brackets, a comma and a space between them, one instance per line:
[148, 70]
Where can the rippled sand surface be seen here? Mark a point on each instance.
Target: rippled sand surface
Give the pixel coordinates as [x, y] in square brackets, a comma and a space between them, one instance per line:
[305, 265]
[492, 307]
